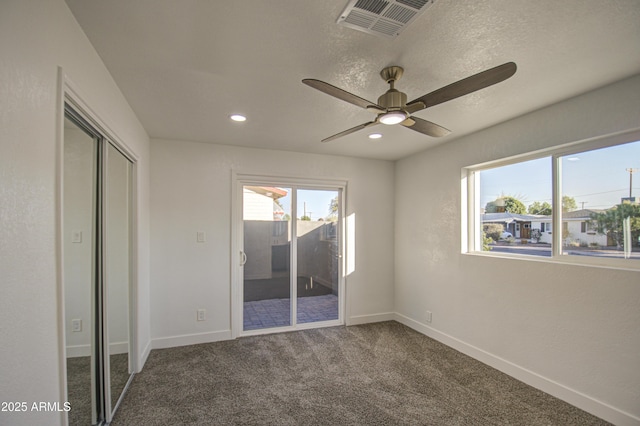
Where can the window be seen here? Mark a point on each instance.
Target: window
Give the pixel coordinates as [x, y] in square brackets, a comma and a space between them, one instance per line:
[587, 227]
[598, 188]
[514, 206]
[587, 189]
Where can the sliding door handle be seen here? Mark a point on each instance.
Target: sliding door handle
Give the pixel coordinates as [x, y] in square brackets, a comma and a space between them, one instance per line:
[243, 258]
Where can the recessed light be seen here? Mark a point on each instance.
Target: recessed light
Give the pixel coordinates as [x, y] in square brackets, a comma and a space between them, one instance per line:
[238, 117]
[375, 135]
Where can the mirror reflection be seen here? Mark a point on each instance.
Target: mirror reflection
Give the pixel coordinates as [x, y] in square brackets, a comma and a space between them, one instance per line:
[117, 271]
[79, 201]
[97, 272]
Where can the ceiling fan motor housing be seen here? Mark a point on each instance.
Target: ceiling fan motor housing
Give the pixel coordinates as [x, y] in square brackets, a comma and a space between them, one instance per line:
[393, 100]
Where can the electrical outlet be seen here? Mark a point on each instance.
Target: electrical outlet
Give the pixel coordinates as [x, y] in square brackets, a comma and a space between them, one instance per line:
[202, 314]
[76, 325]
[427, 316]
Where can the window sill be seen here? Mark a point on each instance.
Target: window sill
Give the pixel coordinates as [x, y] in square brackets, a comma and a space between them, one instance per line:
[571, 260]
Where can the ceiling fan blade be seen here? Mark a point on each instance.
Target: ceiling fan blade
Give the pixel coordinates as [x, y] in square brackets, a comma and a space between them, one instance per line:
[336, 92]
[416, 106]
[349, 131]
[376, 109]
[408, 122]
[468, 85]
[426, 127]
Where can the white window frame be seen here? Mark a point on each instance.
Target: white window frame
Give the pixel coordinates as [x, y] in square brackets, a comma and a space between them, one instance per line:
[471, 226]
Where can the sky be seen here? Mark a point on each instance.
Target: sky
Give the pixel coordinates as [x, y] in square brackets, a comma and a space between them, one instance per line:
[317, 202]
[595, 179]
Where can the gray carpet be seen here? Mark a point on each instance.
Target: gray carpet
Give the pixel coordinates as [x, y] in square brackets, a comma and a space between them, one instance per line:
[374, 374]
[79, 390]
[79, 385]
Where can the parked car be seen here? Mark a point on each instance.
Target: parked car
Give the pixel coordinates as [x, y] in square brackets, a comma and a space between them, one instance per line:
[505, 235]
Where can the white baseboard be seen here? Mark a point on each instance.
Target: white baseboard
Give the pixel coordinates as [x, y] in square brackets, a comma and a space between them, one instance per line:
[573, 397]
[190, 339]
[119, 348]
[143, 356]
[366, 319]
[76, 351]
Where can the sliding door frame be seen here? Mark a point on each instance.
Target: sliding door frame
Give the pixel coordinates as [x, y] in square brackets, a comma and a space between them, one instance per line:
[239, 181]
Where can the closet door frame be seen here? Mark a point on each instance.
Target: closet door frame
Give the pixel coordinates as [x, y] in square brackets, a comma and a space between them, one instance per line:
[70, 98]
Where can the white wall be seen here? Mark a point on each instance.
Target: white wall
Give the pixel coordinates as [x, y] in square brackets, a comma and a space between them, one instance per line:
[575, 234]
[35, 38]
[191, 186]
[79, 193]
[573, 331]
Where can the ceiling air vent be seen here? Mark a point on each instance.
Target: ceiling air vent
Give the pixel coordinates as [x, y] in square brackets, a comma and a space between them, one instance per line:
[386, 18]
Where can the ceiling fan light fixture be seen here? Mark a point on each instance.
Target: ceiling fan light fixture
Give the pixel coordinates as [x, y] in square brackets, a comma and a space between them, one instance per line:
[238, 117]
[393, 117]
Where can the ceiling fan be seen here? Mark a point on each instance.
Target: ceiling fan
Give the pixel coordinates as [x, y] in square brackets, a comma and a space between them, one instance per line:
[392, 107]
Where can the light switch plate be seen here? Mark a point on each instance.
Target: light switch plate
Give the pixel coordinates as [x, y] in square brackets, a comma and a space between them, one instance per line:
[76, 325]
[76, 236]
[201, 237]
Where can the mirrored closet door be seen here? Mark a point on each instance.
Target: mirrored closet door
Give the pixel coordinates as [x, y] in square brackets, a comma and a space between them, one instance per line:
[97, 225]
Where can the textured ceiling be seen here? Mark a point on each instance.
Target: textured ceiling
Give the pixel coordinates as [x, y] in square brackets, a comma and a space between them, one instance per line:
[184, 66]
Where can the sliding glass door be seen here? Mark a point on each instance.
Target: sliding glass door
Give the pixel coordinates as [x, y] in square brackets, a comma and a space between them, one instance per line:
[267, 250]
[317, 255]
[290, 256]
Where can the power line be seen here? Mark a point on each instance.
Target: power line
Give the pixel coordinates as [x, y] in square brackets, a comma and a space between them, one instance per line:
[525, 201]
[600, 193]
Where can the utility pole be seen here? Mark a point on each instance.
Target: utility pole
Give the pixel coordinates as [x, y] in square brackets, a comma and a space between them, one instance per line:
[305, 210]
[583, 203]
[631, 172]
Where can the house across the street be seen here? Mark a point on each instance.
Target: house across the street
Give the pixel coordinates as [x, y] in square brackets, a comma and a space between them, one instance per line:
[578, 228]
